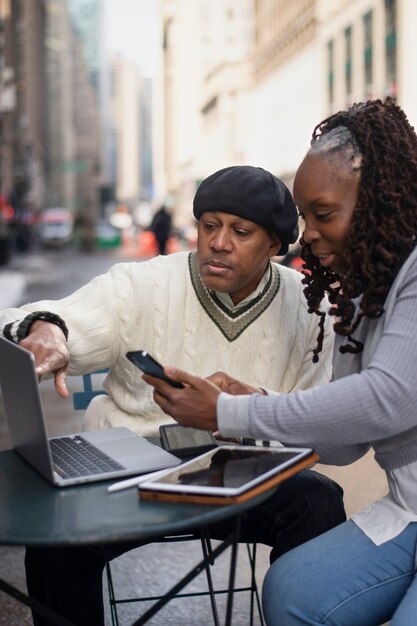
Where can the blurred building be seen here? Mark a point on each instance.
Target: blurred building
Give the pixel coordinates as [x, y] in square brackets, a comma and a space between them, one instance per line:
[48, 110]
[247, 81]
[86, 164]
[7, 100]
[314, 57]
[73, 136]
[241, 81]
[407, 57]
[60, 107]
[146, 140]
[226, 81]
[206, 77]
[370, 49]
[88, 20]
[126, 120]
[288, 87]
[87, 16]
[22, 104]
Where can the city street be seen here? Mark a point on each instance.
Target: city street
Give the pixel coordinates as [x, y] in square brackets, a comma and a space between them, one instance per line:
[122, 122]
[53, 274]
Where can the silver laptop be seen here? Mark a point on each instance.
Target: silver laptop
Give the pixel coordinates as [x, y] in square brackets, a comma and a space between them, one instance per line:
[111, 452]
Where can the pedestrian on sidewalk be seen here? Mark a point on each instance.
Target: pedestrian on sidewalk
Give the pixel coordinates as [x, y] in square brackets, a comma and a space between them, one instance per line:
[161, 227]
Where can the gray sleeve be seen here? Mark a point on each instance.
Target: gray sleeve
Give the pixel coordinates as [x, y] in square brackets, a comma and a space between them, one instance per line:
[233, 421]
[233, 415]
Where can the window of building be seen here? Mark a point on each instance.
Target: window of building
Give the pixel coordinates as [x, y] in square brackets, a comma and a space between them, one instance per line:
[330, 71]
[368, 52]
[348, 60]
[210, 106]
[391, 47]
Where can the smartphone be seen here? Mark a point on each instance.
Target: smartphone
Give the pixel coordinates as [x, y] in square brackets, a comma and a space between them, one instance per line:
[147, 364]
[186, 441]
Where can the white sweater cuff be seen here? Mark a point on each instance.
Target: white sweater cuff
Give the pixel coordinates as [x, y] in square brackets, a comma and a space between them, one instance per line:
[233, 415]
[10, 331]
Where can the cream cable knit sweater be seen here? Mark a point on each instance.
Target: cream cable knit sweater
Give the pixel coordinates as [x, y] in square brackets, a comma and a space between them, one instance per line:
[153, 306]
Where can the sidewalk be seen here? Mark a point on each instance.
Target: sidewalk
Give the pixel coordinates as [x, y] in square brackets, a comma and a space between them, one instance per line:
[12, 285]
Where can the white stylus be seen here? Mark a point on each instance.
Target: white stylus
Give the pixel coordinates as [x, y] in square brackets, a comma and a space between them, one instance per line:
[132, 482]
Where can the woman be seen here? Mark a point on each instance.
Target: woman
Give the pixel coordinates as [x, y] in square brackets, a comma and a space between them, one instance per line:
[357, 192]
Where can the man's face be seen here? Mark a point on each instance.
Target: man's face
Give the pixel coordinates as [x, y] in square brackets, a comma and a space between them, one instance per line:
[233, 253]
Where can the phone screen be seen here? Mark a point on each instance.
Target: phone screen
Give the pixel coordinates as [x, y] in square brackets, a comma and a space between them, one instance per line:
[147, 364]
[186, 441]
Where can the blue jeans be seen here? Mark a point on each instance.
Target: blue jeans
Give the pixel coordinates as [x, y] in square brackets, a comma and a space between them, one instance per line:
[342, 578]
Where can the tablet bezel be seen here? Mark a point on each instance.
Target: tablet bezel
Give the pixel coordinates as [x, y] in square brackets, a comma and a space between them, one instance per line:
[303, 456]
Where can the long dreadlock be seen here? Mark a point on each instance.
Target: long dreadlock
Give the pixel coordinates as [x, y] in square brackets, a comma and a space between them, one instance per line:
[377, 138]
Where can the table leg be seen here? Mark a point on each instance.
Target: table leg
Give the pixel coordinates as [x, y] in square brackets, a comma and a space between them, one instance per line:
[207, 553]
[232, 573]
[34, 605]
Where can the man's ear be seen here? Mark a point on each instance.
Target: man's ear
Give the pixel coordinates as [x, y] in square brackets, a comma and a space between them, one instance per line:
[275, 246]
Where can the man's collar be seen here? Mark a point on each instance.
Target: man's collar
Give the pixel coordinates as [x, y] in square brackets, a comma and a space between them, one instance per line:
[227, 301]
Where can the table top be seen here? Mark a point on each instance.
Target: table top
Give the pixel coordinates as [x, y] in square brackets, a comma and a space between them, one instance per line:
[33, 512]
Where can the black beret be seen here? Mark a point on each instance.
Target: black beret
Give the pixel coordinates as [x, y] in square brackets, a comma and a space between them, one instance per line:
[253, 194]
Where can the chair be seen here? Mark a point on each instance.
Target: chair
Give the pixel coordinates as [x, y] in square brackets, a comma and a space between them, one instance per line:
[206, 550]
[81, 400]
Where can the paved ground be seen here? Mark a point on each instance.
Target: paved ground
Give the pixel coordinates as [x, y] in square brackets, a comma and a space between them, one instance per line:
[11, 286]
[153, 568]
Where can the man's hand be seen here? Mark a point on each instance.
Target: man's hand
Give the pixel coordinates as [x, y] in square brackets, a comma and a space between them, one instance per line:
[49, 346]
[195, 405]
[231, 385]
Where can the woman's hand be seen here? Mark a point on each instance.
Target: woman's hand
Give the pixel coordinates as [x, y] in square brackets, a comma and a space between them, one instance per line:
[231, 385]
[195, 405]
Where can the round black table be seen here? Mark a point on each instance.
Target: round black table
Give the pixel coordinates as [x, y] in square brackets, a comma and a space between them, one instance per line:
[37, 514]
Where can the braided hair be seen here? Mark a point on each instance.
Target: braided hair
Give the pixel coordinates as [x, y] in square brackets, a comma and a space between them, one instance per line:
[376, 138]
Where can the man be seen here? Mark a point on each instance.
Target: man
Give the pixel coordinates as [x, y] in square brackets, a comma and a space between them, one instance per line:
[223, 307]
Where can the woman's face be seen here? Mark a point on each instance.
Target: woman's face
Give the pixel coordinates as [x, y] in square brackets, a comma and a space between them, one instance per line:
[326, 191]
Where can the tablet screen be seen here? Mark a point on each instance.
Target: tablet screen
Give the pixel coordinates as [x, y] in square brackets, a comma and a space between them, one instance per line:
[227, 469]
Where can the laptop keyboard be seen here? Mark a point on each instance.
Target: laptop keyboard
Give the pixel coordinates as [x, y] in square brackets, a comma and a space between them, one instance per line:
[75, 456]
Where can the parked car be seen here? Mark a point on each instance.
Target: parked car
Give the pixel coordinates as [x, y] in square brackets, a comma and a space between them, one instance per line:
[107, 236]
[6, 237]
[55, 227]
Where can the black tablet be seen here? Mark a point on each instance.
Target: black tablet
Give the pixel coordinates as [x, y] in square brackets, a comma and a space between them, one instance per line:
[228, 472]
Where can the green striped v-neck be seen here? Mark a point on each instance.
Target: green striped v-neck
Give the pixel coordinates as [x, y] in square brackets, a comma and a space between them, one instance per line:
[232, 323]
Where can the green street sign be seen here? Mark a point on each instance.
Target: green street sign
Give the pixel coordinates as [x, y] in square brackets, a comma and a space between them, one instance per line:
[74, 166]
